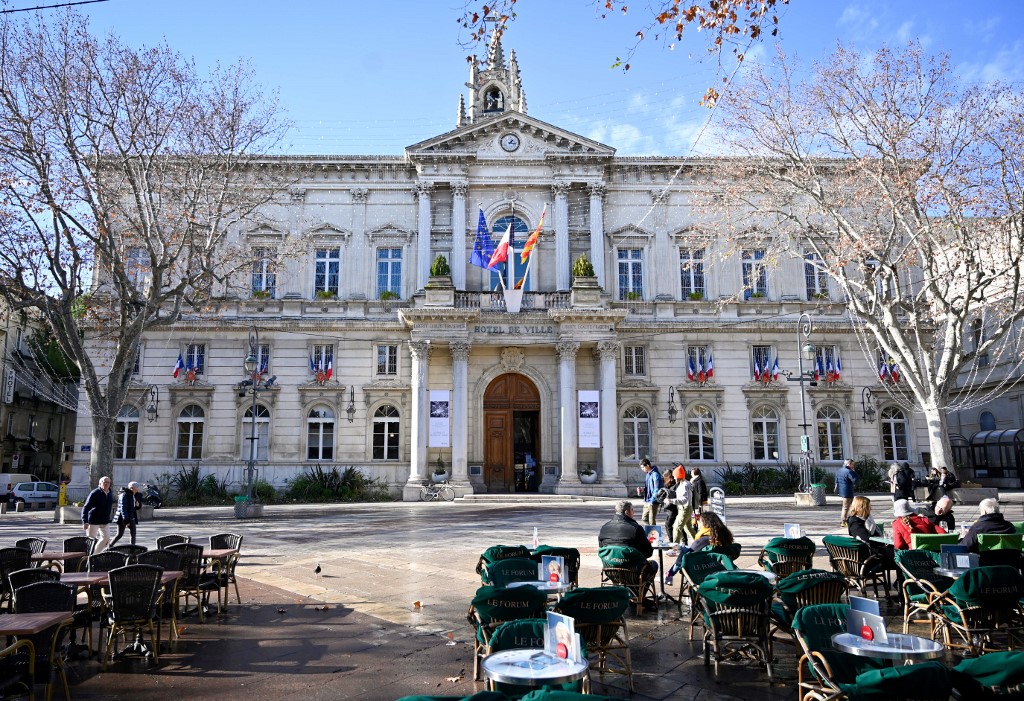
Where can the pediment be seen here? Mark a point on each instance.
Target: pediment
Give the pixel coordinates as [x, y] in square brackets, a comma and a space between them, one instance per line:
[326, 230]
[265, 230]
[390, 232]
[537, 141]
[631, 231]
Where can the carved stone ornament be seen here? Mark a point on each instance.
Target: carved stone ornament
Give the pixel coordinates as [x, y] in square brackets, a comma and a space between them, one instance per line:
[359, 194]
[459, 351]
[459, 189]
[607, 350]
[567, 350]
[512, 359]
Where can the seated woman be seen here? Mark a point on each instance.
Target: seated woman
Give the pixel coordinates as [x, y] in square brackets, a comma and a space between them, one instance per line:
[907, 522]
[711, 532]
[860, 523]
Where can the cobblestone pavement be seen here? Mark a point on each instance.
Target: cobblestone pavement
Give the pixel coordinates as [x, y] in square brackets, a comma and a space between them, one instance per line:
[372, 641]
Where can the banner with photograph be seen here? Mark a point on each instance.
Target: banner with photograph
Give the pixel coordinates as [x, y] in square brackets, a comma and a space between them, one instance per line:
[590, 418]
[440, 418]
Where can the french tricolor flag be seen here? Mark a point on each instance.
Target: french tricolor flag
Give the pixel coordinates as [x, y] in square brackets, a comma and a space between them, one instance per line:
[691, 371]
[710, 370]
[179, 366]
[330, 366]
[775, 369]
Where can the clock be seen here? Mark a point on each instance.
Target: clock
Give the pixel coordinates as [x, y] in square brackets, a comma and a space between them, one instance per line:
[510, 142]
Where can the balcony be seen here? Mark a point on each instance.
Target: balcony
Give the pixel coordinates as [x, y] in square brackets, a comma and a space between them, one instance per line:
[495, 301]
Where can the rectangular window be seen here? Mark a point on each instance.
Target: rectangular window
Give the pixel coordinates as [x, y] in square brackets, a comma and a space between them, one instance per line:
[691, 273]
[579, 210]
[631, 273]
[264, 276]
[634, 360]
[32, 426]
[979, 337]
[389, 272]
[327, 273]
[755, 275]
[815, 279]
[828, 365]
[195, 357]
[697, 357]
[49, 429]
[136, 266]
[761, 359]
[137, 363]
[387, 360]
[322, 353]
[263, 357]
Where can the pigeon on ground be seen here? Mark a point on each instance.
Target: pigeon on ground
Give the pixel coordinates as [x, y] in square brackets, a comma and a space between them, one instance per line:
[317, 571]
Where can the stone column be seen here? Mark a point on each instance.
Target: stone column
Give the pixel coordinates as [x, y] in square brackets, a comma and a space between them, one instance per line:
[423, 231]
[358, 262]
[563, 266]
[568, 409]
[597, 255]
[607, 352]
[419, 419]
[460, 416]
[458, 261]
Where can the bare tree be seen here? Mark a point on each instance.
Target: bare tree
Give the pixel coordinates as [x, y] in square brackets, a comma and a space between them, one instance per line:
[903, 186]
[122, 173]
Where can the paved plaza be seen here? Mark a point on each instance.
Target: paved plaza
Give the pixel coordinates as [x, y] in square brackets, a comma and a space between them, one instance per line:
[387, 615]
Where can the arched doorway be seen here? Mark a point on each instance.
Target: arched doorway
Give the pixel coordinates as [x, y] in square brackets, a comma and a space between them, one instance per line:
[512, 435]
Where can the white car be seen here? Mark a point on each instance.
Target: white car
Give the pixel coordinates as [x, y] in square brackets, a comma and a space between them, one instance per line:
[35, 492]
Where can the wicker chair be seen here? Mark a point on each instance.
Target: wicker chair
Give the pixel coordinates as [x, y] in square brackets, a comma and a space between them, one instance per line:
[803, 588]
[15, 677]
[195, 583]
[919, 583]
[132, 602]
[623, 566]
[599, 615]
[514, 569]
[77, 544]
[36, 545]
[31, 575]
[491, 607]
[784, 556]
[855, 560]
[168, 561]
[231, 541]
[49, 662]
[695, 568]
[166, 541]
[736, 610]
[11, 560]
[105, 561]
[982, 609]
[130, 551]
[499, 552]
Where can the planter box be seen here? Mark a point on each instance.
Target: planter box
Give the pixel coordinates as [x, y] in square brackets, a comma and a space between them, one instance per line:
[146, 513]
[248, 509]
[67, 514]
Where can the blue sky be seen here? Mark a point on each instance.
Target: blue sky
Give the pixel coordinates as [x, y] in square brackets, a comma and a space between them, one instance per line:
[371, 78]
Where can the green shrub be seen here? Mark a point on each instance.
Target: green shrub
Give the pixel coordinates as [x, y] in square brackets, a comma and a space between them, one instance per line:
[582, 267]
[264, 492]
[319, 485]
[783, 478]
[439, 268]
[871, 475]
[192, 488]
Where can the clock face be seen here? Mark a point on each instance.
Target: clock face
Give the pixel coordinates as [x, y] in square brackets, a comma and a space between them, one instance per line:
[510, 142]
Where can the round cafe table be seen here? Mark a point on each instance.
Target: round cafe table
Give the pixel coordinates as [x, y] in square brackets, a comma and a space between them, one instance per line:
[549, 587]
[951, 572]
[661, 546]
[531, 667]
[900, 647]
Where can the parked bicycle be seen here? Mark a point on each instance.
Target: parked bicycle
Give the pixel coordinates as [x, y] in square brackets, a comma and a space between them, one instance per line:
[434, 491]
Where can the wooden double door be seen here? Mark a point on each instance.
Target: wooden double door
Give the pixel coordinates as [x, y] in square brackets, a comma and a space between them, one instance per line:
[512, 435]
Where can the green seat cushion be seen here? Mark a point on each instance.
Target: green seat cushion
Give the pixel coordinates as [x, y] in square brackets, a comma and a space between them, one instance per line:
[933, 541]
[928, 681]
[621, 556]
[815, 626]
[740, 589]
[801, 582]
[703, 563]
[992, 674]
[595, 605]
[999, 541]
[514, 569]
[494, 605]
[790, 548]
[843, 541]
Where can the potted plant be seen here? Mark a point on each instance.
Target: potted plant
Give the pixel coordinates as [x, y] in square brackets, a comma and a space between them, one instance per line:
[588, 475]
[440, 291]
[326, 294]
[439, 268]
[585, 290]
[440, 471]
[261, 294]
[388, 295]
[582, 267]
[633, 296]
[696, 296]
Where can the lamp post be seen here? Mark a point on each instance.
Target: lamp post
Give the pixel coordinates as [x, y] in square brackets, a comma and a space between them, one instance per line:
[805, 349]
[253, 385]
[152, 411]
[867, 407]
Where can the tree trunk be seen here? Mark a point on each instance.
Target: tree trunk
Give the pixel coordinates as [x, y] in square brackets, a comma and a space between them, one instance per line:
[101, 458]
[938, 437]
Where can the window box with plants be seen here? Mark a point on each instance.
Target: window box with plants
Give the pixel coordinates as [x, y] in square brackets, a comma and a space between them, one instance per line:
[389, 296]
[261, 294]
[326, 294]
[588, 475]
[695, 297]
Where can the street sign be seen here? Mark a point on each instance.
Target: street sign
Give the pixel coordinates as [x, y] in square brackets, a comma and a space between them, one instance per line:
[805, 444]
[9, 386]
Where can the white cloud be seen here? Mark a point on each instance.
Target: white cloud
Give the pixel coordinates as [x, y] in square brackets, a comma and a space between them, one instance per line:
[905, 32]
[1004, 65]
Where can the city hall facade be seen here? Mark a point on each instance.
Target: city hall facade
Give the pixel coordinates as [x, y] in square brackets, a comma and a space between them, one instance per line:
[678, 346]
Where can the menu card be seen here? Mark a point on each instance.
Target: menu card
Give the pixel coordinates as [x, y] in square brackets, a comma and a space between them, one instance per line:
[552, 569]
[654, 535]
[865, 621]
[560, 638]
[791, 530]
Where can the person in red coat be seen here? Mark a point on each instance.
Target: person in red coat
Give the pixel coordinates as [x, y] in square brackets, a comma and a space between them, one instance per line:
[907, 522]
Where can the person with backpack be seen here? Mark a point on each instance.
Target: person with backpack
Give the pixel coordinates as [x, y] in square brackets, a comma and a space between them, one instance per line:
[700, 490]
[903, 481]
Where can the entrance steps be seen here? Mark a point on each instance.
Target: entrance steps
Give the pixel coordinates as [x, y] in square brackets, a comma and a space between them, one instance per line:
[529, 497]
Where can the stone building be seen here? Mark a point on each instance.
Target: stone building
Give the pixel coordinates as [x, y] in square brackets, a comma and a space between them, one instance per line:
[361, 339]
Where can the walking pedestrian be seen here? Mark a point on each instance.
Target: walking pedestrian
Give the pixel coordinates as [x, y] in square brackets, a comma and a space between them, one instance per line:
[683, 496]
[652, 483]
[127, 511]
[96, 514]
[700, 491]
[846, 481]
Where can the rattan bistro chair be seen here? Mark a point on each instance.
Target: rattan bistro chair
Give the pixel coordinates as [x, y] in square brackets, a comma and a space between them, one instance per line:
[132, 602]
[492, 606]
[17, 680]
[11, 560]
[736, 611]
[36, 545]
[49, 662]
[627, 567]
[600, 620]
[919, 583]
[803, 588]
[981, 611]
[77, 544]
[855, 560]
[695, 568]
[515, 569]
[168, 561]
[784, 556]
[231, 541]
[131, 552]
[31, 575]
[166, 541]
[196, 583]
[496, 553]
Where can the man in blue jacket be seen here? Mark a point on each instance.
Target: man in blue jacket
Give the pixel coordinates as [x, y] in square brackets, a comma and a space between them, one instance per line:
[652, 483]
[96, 514]
[846, 480]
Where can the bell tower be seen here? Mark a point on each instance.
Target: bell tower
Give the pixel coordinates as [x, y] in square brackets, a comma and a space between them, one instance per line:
[495, 87]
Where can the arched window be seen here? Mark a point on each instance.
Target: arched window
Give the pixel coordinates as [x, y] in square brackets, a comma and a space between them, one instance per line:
[894, 435]
[262, 433]
[320, 434]
[520, 230]
[385, 433]
[986, 421]
[764, 430]
[830, 434]
[700, 433]
[636, 433]
[126, 436]
[191, 422]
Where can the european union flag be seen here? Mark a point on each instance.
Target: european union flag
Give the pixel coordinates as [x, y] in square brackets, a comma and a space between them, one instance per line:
[483, 247]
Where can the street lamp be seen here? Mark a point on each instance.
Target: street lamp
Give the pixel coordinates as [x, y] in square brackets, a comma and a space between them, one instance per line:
[152, 413]
[351, 409]
[672, 405]
[253, 385]
[867, 406]
[805, 350]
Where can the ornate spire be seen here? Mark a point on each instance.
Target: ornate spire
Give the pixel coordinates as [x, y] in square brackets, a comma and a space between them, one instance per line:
[495, 56]
[461, 121]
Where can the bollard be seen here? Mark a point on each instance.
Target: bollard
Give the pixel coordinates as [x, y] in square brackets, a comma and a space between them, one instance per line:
[19, 507]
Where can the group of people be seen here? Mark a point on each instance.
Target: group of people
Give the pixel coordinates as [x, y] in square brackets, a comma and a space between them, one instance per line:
[98, 512]
[688, 523]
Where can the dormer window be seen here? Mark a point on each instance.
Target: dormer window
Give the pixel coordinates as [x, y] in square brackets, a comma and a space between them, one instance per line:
[494, 100]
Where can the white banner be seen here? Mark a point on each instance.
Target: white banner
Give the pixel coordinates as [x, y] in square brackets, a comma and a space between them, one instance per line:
[9, 386]
[440, 418]
[590, 418]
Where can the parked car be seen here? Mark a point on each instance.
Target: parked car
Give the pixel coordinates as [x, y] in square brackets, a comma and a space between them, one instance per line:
[35, 492]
